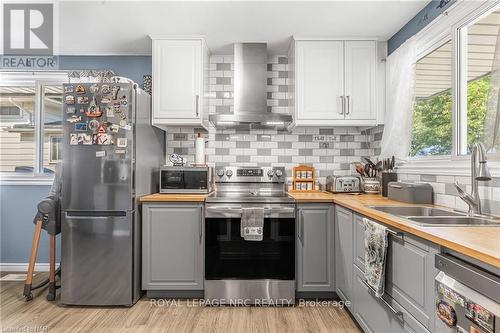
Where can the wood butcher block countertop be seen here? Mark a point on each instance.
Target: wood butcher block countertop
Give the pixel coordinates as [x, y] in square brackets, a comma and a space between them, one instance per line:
[159, 197]
[481, 243]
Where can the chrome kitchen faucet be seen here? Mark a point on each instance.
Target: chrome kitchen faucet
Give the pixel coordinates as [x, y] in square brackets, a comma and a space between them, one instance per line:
[479, 172]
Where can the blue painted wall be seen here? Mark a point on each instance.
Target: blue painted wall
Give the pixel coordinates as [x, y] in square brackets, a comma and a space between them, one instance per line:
[17, 209]
[423, 18]
[18, 202]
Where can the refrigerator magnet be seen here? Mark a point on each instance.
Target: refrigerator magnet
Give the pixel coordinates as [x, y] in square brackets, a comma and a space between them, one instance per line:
[117, 105]
[114, 92]
[109, 112]
[105, 100]
[124, 102]
[81, 127]
[121, 142]
[73, 139]
[82, 100]
[69, 99]
[114, 128]
[94, 88]
[74, 119]
[80, 89]
[86, 139]
[101, 129]
[105, 89]
[93, 125]
[103, 139]
[69, 89]
[120, 151]
[70, 109]
[101, 153]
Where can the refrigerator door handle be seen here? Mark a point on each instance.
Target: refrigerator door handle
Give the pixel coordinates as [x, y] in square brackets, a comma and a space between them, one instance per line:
[93, 215]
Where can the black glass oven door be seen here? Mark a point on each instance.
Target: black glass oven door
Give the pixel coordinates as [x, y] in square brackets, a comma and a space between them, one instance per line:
[229, 256]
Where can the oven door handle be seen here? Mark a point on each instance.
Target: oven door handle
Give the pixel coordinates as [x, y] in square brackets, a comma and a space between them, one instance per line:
[268, 211]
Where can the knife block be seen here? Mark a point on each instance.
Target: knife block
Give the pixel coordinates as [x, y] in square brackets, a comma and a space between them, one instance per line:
[386, 178]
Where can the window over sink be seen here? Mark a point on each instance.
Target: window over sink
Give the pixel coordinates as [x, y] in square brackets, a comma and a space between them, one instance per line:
[457, 86]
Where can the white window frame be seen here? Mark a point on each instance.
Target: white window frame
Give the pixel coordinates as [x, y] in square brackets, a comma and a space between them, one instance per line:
[52, 147]
[37, 79]
[447, 27]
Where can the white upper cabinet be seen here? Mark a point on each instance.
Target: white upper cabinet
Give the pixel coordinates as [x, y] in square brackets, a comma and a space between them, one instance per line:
[179, 67]
[333, 82]
[320, 80]
[360, 88]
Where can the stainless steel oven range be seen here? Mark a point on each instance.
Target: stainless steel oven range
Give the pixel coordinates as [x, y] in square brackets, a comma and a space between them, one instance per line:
[242, 272]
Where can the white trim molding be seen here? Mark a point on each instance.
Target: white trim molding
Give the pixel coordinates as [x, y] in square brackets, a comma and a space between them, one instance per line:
[459, 166]
[11, 178]
[23, 267]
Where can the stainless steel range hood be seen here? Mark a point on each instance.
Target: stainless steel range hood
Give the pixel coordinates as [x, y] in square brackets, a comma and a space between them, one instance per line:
[250, 92]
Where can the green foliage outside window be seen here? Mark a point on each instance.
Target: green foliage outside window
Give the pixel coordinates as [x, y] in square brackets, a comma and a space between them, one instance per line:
[432, 124]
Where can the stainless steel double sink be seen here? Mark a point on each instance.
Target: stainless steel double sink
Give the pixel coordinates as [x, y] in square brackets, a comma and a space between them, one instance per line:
[428, 216]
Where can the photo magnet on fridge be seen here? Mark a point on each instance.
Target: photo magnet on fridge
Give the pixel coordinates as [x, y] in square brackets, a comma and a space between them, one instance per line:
[69, 89]
[81, 127]
[70, 109]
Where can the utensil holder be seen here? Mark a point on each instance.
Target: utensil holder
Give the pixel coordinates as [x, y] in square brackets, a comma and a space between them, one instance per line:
[371, 185]
[386, 178]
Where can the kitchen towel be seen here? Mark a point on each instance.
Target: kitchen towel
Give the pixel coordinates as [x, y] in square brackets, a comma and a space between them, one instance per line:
[375, 255]
[252, 223]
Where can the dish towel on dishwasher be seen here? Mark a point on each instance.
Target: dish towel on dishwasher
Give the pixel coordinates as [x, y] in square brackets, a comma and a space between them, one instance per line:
[375, 254]
[252, 223]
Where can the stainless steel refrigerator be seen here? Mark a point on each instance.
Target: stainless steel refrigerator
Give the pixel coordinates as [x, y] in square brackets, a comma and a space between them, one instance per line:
[111, 155]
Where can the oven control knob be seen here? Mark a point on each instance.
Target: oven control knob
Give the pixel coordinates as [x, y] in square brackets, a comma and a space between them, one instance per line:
[278, 173]
[270, 173]
[220, 173]
[229, 173]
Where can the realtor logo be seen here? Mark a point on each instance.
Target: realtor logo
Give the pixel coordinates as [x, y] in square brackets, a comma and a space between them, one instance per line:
[28, 29]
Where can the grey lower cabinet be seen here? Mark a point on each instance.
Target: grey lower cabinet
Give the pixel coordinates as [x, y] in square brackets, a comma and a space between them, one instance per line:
[344, 251]
[410, 275]
[377, 315]
[410, 271]
[172, 246]
[315, 266]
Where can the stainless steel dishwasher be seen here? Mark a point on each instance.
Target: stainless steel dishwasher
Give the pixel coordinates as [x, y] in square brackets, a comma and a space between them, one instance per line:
[467, 297]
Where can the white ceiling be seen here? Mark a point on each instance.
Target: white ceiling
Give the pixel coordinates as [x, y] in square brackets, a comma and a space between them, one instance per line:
[113, 27]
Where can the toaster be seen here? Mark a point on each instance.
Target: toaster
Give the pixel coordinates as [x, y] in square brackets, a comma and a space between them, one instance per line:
[343, 184]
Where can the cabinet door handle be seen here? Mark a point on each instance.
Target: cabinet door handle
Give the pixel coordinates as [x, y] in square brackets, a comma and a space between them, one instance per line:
[301, 228]
[348, 111]
[197, 105]
[201, 228]
[398, 314]
[342, 99]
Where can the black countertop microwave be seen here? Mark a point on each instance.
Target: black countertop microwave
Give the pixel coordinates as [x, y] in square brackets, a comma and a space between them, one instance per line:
[186, 179]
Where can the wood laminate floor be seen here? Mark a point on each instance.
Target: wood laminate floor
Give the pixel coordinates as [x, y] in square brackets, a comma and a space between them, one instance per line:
[41, 316]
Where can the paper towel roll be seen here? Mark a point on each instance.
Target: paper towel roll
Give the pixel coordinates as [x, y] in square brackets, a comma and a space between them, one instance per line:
[200, 150]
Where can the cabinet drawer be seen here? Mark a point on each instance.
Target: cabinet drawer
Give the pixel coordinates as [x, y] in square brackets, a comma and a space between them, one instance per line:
[375, 315]
[410, 272]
